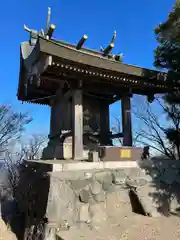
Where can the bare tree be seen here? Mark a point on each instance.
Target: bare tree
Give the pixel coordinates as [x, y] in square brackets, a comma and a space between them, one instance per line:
[152, 127]
[117, 128]
[32, 149]
[11, 125]
[13, 152]
[13, 160]
[156, 125]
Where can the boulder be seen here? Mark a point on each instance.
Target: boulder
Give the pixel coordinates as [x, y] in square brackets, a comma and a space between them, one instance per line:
[84, 215]
[98, 213]
[96, 187]
[85, 195]
[100, 197]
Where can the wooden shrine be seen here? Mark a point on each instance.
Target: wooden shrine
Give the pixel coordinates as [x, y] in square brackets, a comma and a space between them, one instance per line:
[79, 84]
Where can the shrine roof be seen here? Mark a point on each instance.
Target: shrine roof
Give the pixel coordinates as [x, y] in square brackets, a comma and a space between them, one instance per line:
[46, 64]
[50, 60]
[94, 58]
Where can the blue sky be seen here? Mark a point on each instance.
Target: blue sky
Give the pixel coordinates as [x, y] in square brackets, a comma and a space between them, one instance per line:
[133, 20]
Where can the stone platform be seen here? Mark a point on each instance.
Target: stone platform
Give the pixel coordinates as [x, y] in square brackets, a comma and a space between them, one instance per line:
[68, 194]
[63, 165]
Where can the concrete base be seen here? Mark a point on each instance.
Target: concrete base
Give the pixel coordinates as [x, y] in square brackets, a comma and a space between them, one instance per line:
[63, 165]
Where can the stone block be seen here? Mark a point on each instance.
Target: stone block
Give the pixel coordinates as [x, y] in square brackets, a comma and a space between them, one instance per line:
[84, 215]
[61, 202]
[97, 212]
[74, 166]
[120, 164]
[107, 184]
[138, 182]
[113, 204]
[135, 172]
[119, 176]
[96, 187]
[85, 195]
[100, 176]
[105, 178]
[147, 196]
[100, 197]
[79, 183]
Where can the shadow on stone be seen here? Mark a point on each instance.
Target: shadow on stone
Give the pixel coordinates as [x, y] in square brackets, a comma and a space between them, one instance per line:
[165, 178]
[12, 217]
[31, 197]
[136, 204]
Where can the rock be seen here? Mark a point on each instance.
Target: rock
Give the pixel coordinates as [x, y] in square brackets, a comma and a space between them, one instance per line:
[96, 187]
[103, 176]
[146, 196]
[155, 214]
[88, 175]
[97, 212]
[84, 215]
[107, 185]
[130, 182]
[114, 204]
[141, 182]
[119, 177]
[79, 184]
[137, 182]
[135, 172]
[133, 177]
[61, 204]
[100, 197]
[124, 196]
[85, 195]
[119, 173]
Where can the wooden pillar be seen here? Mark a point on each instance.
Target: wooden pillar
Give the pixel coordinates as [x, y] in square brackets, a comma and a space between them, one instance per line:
[56, 120]
[77, 125]
[126, 120]
[104, 123]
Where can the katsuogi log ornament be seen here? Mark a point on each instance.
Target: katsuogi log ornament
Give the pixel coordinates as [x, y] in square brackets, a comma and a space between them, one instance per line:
[109, 48]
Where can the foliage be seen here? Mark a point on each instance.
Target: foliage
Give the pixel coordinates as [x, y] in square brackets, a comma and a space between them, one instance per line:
[168, 37]
[167, 57]
[116, 129]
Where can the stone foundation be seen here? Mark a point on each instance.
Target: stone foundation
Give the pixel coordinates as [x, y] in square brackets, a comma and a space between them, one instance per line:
[67, 195]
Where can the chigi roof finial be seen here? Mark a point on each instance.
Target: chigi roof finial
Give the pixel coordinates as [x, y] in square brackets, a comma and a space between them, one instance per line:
[47, 32]
[109, 48]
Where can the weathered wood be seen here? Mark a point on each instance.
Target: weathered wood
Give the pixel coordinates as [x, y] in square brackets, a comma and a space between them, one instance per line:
[104, 123]
[56, 115]
[126, 120]
[77, 125]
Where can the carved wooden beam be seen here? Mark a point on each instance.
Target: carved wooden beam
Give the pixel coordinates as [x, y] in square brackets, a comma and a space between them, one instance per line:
[81, 42]
[51, 31]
